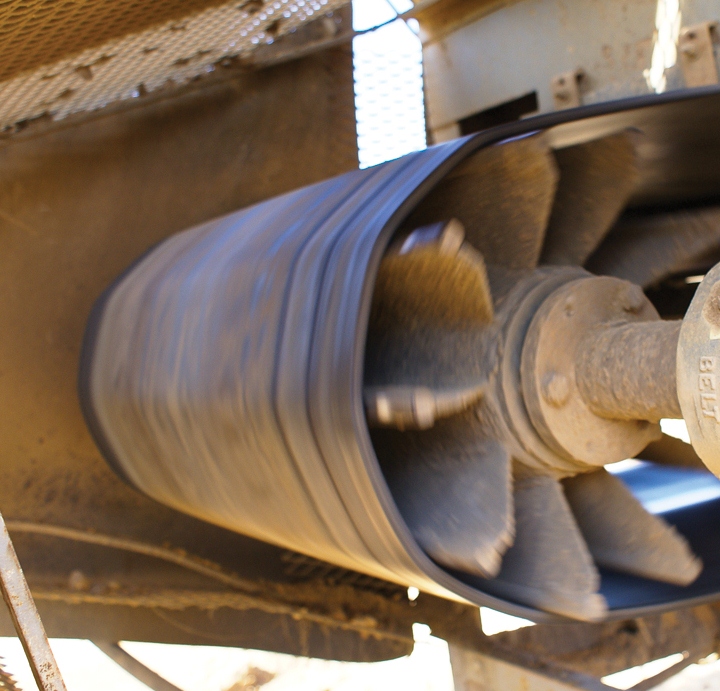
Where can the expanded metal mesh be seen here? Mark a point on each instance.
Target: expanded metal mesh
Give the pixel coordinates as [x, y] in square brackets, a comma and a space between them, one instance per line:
[388, 83]
[42, 74]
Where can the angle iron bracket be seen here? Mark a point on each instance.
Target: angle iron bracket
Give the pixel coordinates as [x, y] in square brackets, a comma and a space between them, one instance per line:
[25, 617]
[696, 50]
[566, 89]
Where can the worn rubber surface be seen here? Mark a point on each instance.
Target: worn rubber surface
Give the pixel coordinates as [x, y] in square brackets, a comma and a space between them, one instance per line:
[285, 454]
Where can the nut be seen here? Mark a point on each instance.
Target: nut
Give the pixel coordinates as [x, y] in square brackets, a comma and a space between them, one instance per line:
[555, 389]
[632, 299]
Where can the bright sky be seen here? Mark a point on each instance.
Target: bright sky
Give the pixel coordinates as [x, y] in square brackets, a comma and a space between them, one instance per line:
[388, 83]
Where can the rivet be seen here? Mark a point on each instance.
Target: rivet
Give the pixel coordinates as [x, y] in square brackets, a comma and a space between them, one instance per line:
[77, 581]
[555, 389]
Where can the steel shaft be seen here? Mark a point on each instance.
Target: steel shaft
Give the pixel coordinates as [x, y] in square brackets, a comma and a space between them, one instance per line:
[627, 372]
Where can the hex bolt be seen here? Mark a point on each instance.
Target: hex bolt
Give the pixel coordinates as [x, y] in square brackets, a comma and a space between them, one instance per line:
[632, 298]
[555, 389]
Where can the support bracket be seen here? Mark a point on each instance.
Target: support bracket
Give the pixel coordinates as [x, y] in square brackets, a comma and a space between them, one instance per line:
[697, 54]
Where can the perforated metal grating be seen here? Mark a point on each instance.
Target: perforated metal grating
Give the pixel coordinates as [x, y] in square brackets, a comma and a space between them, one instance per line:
[59, 57]
[388, 83]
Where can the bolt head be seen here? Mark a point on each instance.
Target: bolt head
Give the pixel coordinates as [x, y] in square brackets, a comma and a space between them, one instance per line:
[555, 389]
[632, 298]
[78, 582]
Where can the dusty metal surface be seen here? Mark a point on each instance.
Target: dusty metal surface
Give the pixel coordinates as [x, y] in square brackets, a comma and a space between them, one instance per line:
[697, 370]
[37, 33]
[696, 49]
[628, 372]
[63, 58]
[174, 413]
[127, 590]
[602, 649]
[243, 594]
[78, 201]
[77, 486]
[25, 617]
[612, 42]
[672, 451]
[554, 352]
[566, 89]
[441, 17]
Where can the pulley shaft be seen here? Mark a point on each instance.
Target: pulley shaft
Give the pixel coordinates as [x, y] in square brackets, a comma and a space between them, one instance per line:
[627, 372]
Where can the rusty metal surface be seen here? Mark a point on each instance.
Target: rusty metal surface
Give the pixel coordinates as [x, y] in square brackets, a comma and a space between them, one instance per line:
[78, 201]
[696, 51]
[555, 348]
[62, 58]
[129, 583]
[293, 600]
[698, 366]
[489, 60]
[48, 174]
[566, 89]
[37, 33]
[496, 670]
[627, 371]
[25, 617]
[602, 649]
